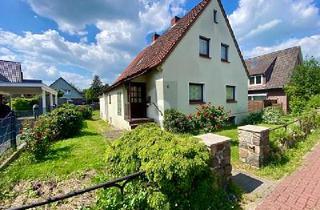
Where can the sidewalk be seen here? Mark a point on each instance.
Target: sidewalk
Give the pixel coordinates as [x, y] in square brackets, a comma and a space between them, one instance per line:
[300, 190]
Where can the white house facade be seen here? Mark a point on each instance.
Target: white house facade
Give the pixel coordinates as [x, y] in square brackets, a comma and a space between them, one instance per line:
[196, 61]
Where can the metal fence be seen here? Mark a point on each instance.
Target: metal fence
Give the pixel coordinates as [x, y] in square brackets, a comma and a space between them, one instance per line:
[9, 128]
[118, 183]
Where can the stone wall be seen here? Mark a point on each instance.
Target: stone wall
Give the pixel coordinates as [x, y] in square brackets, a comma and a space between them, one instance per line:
[220, 150]
[254, 146]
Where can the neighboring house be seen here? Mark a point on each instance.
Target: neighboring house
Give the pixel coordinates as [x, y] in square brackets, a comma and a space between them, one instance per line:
[269, 74]
[13, 84]
[197, 60]
[70, 93]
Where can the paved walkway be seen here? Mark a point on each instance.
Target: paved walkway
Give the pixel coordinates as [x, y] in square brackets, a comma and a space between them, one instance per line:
[301, 190]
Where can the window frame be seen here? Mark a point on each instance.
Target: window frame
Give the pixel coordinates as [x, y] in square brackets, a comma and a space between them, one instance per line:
[207, 55]
[226, 47]
[201, 101]
[119, 105]
[255, 80]
[260, 79]
[233, 100]
[109, 98]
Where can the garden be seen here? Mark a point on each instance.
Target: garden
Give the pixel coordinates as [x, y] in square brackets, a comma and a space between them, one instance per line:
[67, 150]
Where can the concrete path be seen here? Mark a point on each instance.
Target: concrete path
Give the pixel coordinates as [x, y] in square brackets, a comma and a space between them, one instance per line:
[300, 190]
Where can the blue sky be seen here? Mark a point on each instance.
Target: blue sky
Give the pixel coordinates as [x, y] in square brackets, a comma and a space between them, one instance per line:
[77, 40]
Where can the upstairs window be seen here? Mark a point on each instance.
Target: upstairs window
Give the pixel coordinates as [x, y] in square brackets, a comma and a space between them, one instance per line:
[215, 18]
[204, 46]
[231, 93]
[109, 99]
[195, 93]
[224, 52]
[256, 80]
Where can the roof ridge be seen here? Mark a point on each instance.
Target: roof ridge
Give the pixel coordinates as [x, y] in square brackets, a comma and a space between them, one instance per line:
[274, 52]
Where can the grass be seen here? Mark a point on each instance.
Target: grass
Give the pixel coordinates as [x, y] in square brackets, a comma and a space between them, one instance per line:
[277, 167]
[74, 155]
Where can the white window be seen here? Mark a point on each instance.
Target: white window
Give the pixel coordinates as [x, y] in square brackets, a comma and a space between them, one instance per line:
[257, 97]
[256, 80]
[119, 103]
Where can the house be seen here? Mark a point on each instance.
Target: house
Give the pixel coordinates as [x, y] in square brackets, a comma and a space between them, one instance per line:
[12, 84]
[269, 74]
[70, 93]
[197, 60]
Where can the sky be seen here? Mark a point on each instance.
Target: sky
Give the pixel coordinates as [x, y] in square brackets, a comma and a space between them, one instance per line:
[76, 39]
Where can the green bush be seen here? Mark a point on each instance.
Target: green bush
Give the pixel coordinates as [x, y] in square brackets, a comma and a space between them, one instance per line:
[272, 115]
[210, 118]
[313, 103]
[66, 121]
[176, 122]
[37, 140]
[253, 118]
[24, 104]
[177, 172]
[86, 111]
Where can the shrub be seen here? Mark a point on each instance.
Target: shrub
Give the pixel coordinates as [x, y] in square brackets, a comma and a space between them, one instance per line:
[24, 104]
[86, 111]
[38, 143]
[313, 103]
[253, 118]
[66, 121]
[272, 115]
[177, 172]
[210, 118]
[177, 122]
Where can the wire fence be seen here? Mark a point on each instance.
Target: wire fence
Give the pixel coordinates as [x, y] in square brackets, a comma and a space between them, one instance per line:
[9, 128]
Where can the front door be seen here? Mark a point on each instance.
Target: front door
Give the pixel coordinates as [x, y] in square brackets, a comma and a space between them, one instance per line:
[137, 99]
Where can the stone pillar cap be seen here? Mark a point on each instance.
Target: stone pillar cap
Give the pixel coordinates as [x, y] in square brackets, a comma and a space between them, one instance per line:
[211, 139]
[253, 128]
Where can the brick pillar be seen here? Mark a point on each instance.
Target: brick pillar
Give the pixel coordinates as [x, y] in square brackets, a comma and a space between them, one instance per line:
[220, 150]
[253, 145]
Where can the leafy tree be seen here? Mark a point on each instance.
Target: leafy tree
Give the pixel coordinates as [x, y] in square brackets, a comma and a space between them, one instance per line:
[96, 89]
[304, 83]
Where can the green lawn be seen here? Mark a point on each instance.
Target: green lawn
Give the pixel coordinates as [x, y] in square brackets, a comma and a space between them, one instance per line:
[276, 168]
[70, 156]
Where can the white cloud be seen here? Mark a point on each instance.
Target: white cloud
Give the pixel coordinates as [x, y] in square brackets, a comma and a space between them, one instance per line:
[123, 27]
[264, 22]
[309, 47]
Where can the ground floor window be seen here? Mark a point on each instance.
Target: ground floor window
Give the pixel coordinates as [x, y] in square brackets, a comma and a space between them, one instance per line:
[119, 102]
[195, 93]
[231, 93]
[257, 97]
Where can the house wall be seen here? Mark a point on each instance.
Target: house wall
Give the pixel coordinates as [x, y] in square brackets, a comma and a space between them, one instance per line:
[281, 98]
[184, 65]
[110, 111]
[63, 86]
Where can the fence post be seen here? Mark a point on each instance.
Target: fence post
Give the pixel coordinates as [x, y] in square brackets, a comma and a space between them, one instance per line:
[13, 131]
[254, 145]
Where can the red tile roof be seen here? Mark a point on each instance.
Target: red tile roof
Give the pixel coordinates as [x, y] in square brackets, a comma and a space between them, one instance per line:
[159, 50]
[277, 67]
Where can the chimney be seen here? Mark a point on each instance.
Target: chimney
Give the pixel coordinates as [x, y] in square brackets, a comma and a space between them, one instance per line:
[155, 36]
[174, 20]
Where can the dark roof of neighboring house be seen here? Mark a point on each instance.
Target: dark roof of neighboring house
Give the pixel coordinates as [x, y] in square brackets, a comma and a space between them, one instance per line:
[277, 67]
[60, 78]
[156, 53]
[10, 71]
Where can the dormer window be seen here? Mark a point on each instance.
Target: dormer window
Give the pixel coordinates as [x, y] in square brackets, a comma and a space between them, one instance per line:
[215, 14]
[256, 80]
